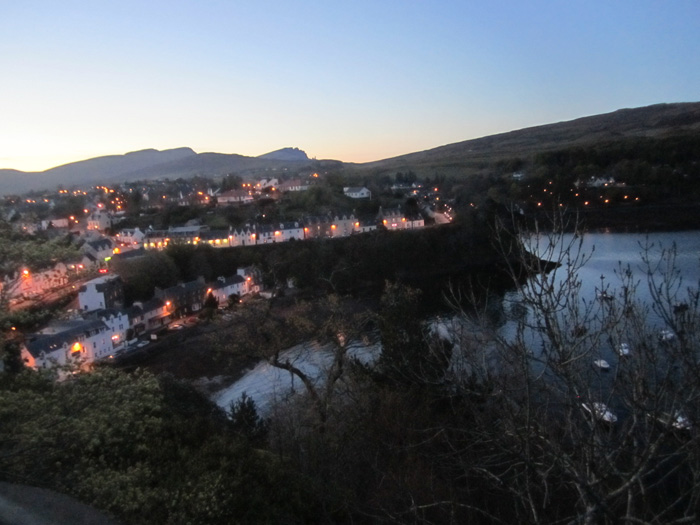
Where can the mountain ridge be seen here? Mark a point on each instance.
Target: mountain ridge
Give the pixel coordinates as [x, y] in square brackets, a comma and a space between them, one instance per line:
[650, 121]
[463, 157]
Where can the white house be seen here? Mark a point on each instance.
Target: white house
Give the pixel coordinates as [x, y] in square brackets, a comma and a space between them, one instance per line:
[130, 236]
[267, 183]
[31, 284]
[293, 185]
[395, 219]
[56, 222]
[241, 284]
[100, 293]
[282, 232]
[343, 225]
[357, 193]
[77, 342]
[99, 221]
[117, 323]
[242, 237]
[234, 197]
[224, 287]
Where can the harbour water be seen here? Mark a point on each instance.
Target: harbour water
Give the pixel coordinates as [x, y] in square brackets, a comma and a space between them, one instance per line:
[608, 256]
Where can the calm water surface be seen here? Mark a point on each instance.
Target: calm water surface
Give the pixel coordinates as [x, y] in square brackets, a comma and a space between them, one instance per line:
[612, 251]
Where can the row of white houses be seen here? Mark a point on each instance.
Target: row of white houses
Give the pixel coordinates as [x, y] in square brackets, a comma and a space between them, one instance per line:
[106, 327]
[327, 226]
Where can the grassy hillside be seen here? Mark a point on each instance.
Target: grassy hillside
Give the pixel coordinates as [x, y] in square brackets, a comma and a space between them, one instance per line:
[474, 156]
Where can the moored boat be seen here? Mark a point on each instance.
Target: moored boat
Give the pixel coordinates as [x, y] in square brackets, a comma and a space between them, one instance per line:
[600, 411]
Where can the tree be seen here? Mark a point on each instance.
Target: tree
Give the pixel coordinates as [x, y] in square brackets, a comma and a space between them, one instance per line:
[553, 444]
[143, 274]
[145, 449]
[409, 355]
[246, 421]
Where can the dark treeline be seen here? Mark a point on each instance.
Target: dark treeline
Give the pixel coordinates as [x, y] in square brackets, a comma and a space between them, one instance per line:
[655, 168]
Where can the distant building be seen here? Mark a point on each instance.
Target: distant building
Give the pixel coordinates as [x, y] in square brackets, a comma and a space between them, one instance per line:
[357, 193]
[130, 237]
[395, 219]
[234, 197]
[160, 239]
[99, 221]
[117, 323]
[240, 284]
[98, 251]
[150, 315]
[185, 298]
[343, 225]
[293, 185]
[31, 284]
[282, 232]
[74, 342]
[101, 293]
[55, 222]
[267, 183]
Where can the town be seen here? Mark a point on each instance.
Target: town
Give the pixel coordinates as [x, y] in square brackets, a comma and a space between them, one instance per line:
[102, 326]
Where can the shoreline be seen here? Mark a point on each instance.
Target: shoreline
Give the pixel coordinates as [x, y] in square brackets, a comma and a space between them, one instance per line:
[649, 218]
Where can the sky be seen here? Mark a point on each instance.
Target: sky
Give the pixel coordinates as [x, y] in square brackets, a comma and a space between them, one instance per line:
[353, 81]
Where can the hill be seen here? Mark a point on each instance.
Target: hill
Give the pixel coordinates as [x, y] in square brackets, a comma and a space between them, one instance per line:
[459, 159]
[145, 164]
[657, 121]
[286, 154]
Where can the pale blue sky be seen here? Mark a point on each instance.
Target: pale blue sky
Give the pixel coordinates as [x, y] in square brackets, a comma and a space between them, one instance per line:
[354, 81]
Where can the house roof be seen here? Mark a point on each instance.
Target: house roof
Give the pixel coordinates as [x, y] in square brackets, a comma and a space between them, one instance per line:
[181, 289]
[354, 189]
[105, 313]
[102, 284]
[100, 244]
[263, 228]
[228, 281]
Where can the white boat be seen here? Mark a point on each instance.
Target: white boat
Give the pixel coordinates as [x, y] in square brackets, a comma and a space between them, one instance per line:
[602, 364]
[604, 296]
[600, 411]
[677, 420]
[623, 349]
[666, 335]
